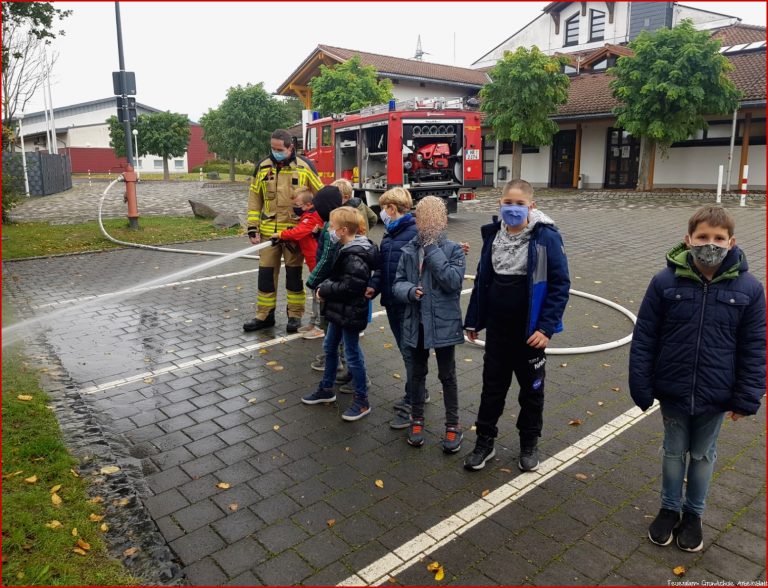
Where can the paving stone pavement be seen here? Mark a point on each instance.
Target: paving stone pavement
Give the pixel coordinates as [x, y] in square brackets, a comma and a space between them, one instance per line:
[200, 404]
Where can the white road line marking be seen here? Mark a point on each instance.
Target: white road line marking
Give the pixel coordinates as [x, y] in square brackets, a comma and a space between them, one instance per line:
[483, 509]
[181, 283]
[206, 359]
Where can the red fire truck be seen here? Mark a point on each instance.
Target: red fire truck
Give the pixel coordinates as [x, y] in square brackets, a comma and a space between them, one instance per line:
[431, 147]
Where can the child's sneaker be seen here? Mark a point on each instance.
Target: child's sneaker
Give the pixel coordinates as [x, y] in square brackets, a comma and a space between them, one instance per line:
[357, 410]
[349, 387]
[483, 451]
[307, 327]
[313, 333]
[319, 364]
[661, 530]
[402, 420]
[689, 534]
[319, 396]
[416, 432]
[453, 438]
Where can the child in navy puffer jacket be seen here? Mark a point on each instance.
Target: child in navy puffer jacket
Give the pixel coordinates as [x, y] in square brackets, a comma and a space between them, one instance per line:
[699, 349]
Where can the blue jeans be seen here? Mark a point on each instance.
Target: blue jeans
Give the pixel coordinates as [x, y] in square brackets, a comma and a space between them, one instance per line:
[353, 355]
[697, 436]
[395, 313]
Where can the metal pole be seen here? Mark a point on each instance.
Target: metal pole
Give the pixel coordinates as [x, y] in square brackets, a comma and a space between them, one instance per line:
[719, 184]
[47, 123]
[23, 157]
[730, 153]
[129, 176]
[121, 59]
[54, 137]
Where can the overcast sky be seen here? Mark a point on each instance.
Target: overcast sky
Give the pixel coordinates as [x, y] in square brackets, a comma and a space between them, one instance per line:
[187, 54]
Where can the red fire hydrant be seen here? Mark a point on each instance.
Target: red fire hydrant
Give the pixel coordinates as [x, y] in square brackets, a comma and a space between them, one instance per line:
[130, 178]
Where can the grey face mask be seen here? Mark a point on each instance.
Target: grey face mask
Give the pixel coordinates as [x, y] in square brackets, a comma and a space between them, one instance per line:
[709, 255]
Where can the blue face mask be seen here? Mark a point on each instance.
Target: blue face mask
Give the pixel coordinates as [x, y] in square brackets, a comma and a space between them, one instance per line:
[385, 218]
[513, 215]
[280, 155]
[333, 236]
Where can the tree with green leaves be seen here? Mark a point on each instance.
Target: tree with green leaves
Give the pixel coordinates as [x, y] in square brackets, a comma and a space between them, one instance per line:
[674, 79]
[240, 128]
[163, 133]
[348, 86]
[526, 89]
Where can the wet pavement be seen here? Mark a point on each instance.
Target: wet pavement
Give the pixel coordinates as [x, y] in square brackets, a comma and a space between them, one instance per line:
[185, 400]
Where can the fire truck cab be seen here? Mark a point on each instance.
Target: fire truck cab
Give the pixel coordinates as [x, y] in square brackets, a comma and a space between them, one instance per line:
[432, 147]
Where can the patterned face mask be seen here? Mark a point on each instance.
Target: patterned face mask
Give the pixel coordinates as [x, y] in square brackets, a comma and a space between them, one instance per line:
[709, 255]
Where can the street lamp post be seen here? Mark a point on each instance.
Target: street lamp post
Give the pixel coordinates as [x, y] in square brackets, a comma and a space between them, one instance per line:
[23, 155]
[136, 142]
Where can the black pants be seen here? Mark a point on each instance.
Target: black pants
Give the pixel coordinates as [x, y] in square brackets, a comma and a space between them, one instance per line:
[507, 353]
[446, 373]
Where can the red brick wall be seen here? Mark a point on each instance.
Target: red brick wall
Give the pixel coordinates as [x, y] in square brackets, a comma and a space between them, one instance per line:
[96, 159]
[197, 151]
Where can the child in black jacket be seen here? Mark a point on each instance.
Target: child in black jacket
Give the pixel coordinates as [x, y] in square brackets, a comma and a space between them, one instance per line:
[346, 310]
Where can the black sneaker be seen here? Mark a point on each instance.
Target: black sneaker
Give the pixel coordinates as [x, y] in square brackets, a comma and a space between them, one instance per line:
[416, 433]
[344, 378]
[483, 451]
[293, 325]
[689, 533]
[529, 459]
[319, 396]
[256, 324]
[453, 438]
[661, 530]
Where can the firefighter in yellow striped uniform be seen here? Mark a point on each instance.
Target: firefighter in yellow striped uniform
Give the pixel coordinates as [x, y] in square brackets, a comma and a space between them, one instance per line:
[270, 210]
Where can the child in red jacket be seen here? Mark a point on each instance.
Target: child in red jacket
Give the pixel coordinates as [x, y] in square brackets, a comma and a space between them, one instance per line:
[304, 233]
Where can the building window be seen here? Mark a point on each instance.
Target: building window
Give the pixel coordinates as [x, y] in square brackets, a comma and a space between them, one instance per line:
[326, 137]
[158, 164]
[596, 25]
[140, 163]
[718, 133]
[311, 139]
[178, 163]
[505, 148]
[600, 65]
[572, 31]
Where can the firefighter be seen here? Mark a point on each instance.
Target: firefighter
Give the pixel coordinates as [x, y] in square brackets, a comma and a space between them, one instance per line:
[270, 210]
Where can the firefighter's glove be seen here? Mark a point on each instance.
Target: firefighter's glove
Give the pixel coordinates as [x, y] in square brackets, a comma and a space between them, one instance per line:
[275, 241]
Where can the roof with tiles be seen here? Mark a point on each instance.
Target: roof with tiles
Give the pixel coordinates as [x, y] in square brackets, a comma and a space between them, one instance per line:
[739, 34]
[385, 64]
[590, 93]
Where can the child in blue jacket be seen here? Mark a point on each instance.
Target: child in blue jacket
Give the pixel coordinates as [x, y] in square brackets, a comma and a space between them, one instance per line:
[699, 349]
[520, 294]
[428, 282]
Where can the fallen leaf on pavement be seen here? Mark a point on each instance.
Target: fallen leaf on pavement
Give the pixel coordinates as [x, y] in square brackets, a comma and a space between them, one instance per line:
[396, 376]
[278, 368]
[581, 477]
[600, 403]
[96, 500]
[148, 380]
[379, 483]
[388, 345]
[563, 365]
[56, 488]
[252, 400]
[130, 551]
[223, 485]
[276, 427]
[330, 522]
[121, 502]
[485, 493]
[56, 499]
[234, 506]
[54, 524]
[263, 351]
[273, 362]
[104, 527]
[109, 470]
[679, 571]
[574, 422]
[590, 413]
[79, 551]
[468, 359]
[616, 389]
[31, 480]
[606, 365]
[74, 473]
[281, 401]
[505, 470]
[24, 397]
[74, 532]
[95, 518]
